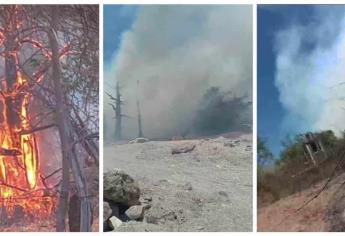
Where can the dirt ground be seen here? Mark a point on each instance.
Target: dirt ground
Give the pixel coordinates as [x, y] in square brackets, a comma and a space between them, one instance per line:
[320, 215]
[208, 189]
[44, 225]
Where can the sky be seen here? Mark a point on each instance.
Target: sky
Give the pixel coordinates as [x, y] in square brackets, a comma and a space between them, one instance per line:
[300, 69]
[177, 52]
[118, 19]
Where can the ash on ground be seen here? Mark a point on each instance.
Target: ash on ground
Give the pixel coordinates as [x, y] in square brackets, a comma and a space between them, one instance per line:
[179, 185]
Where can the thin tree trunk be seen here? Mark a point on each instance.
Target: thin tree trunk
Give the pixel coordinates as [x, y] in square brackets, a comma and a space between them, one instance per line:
[118, 114]
[60, 118]
[64, 195]
[64, 126]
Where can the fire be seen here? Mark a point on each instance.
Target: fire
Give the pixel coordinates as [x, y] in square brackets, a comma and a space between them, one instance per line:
[21, 186]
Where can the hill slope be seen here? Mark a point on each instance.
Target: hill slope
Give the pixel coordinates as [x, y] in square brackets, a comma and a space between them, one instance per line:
[325, 213]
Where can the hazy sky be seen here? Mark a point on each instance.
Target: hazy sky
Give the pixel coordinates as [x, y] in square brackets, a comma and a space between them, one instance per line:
[301, 52]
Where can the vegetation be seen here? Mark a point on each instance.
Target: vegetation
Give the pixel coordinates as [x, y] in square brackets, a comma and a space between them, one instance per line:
[292, 173]
[220, 112]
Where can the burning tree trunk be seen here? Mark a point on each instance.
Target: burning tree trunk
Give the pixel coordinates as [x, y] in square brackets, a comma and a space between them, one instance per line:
[19, 166]
[27, 96]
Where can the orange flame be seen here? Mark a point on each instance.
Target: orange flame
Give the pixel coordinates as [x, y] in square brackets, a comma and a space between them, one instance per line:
[20, 183]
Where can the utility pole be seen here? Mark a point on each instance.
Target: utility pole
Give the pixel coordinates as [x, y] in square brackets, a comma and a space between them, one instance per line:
[140, 133]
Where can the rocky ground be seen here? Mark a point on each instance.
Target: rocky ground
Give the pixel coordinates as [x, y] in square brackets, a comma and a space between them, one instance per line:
[325, 213]
[209, 188]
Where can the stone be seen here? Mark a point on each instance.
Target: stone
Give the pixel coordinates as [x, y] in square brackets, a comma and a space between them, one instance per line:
[148, 198]
[139, 140]
[183, 149]
[188, 186]
[107, 211]
[159, 214]
[120, 188]
[135, 212]
[114, 223]
[223, 196]
[147, 205]
[237, 141]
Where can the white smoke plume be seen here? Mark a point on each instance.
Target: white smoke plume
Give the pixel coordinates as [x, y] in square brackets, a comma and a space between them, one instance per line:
[177, 53]
[310, 71]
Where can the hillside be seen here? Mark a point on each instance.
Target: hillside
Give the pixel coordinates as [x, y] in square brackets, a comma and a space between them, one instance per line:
[325, 213]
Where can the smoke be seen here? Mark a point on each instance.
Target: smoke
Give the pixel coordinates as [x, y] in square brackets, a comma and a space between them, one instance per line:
[310, 71]
[177, 53]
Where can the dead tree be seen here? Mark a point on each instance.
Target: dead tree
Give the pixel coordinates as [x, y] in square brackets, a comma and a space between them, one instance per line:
[50, 53]
[116, 103]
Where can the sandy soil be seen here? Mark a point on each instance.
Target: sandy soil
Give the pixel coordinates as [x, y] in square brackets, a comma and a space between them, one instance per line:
[208, 189]
[319, 215]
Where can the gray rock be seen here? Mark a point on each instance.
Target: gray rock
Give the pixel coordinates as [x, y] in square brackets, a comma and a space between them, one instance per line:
[158, 214]
[106, 211]
[120, 188]
[188, 186]
[223, 196]
[229, 144]
[237, 141]
[148, 198]
[183, 149]
[135, 212]
[147, 205]
[223, 193]
[139, 140]
[114, 223]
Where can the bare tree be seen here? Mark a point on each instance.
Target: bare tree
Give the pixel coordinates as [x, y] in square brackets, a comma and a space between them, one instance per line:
[116, 103]
[51, 64]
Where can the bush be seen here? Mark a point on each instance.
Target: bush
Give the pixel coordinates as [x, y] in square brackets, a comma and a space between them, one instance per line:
[288, 175]
[219, 112]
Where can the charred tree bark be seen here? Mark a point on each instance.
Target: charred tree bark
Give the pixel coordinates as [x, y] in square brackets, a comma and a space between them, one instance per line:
[12, 103]
[60, 119]
[118, 114]
[63, 124]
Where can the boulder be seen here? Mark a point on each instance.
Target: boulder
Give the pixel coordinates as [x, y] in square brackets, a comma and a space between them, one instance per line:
[107, 211]
[114, 223]
[135, 212]
[120, 188]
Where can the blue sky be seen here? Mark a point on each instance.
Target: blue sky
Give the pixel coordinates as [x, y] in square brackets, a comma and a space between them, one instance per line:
[117, 19]
[271, 20]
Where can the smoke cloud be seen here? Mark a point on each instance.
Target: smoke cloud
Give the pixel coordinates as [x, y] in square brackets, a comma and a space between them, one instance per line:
[177, 53]
[310, 71]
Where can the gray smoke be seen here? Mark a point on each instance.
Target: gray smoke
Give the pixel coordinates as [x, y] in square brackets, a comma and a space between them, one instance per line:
[310, 71]
[177, 53]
